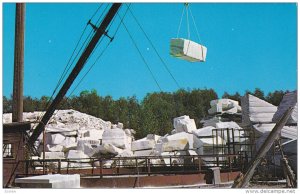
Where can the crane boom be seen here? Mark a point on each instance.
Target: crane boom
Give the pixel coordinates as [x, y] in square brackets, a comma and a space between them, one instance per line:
[101, 30]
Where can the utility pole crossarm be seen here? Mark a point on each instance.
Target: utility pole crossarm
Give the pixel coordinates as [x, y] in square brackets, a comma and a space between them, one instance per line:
[76, 70]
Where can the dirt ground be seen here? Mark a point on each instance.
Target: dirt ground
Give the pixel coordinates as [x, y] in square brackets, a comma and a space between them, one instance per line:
[267, 185]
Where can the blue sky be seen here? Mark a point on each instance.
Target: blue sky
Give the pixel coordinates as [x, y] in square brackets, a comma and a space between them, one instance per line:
[249, 45]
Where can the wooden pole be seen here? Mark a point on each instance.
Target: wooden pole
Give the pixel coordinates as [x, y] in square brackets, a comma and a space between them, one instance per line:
[44, 146]
[17, 106]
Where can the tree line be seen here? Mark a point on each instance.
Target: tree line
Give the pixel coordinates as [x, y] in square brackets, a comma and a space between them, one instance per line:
[153, 114]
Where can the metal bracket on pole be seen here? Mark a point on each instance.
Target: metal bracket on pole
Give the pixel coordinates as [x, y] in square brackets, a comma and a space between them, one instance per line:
[95, 28]
[111, 38]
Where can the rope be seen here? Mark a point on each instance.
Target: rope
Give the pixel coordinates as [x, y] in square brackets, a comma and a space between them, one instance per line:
[96, 11]
[104, 11]
[188, 10]
[195, 26]
[180, 22]
[141, 56]
[89, 37]
[98, 43]
[199, 39]
[88, 71]
[187, 20]
[98, 55]
[163, 62]
[122, 19]
[69, 65]
[64, 73]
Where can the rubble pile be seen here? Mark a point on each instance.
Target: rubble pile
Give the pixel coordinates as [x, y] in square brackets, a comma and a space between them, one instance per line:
[74, 135]
[222, 110]
[180, 142]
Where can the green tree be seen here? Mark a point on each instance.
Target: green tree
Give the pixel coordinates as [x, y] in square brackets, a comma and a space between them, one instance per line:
[29, 104]
[199, 103]
[65, 104]
[158, 110]
[43, 103]
[181, 101]
[236, 96]
[134, 114]
[108, 109]
[7, 105]
[121, 111]
[153, 114]
[88, 102]
[275, 97]
[259, 93]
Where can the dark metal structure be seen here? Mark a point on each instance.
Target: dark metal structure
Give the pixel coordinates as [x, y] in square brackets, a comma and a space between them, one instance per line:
[14, 136]
[244, 179]
[143, 171]
[130, 172]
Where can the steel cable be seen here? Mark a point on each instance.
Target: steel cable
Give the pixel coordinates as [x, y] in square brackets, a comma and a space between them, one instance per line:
[163, 62]
[99, 56]
[69, 65]
[141, 55]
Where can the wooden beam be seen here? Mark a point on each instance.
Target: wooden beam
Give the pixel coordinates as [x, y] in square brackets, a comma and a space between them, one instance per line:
[17, 106]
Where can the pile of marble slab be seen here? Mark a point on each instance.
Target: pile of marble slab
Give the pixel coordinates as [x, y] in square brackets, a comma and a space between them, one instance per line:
[262, 116]
[74, 135]
[184, 124]
[180, 142]
[287, 132]
[145, 146]
[181, 138]
[255, 110]
[224, 106]
[78, 137]
[222, 110]
[288, 100]
[185, 139]
[64, 120]
[114, 142]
